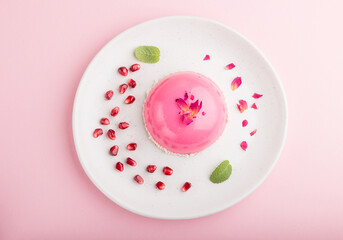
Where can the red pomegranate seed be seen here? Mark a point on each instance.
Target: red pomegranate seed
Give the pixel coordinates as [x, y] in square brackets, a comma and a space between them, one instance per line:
[186, 186]
[104, 121]
[130, 99]
[135, 67]
[109, 94]
[123, 71]
[120, 166]
[97, 132]
[131, 146]
[160, 185]
[151, 168]
[111, 134]
[132, 83]
[139, 179]
[131, 162]
[123, 125]
[114, 150]
[122, 88]
[115, 111]
[167, 171]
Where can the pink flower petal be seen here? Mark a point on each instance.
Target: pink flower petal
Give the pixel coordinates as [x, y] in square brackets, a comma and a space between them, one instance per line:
[182, 104]
[236, 83]
[253, 132]
[203, 113]
[243, 103]
[242, 106]
[192, 97]
[187, 119]
[239, 108]
[195, 107]
[185, 97]
[256, 95]
[188, 111]
[207, 57]
[244, 123]
[244, 145]
[254, 106]
[230, 66]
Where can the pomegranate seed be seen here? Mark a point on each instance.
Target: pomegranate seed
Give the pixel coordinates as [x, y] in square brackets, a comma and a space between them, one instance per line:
[97, 132]
[130, 99]
[186, 186]
[139, 179]
[160, 185]
[109, 94]
[122, 88]
[135, 67]
[131, 162]
[114, 150]
[115, 111]
[123, 71]
[132, 83]
[120, 166]
[123, 125]
[167, 171]
[151, 168]
[111, 134]
[131, 146]
[104, 121]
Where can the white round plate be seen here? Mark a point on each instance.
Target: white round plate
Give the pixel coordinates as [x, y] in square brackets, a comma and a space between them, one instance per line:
[183, 42]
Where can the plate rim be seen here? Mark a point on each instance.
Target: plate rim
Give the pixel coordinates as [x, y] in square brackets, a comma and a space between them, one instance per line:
[192, 216]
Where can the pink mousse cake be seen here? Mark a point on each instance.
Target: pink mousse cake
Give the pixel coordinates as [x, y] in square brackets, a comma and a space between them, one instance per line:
[185, 113]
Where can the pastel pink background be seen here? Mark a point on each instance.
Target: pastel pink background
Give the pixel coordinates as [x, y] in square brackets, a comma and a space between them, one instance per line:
[45, 47]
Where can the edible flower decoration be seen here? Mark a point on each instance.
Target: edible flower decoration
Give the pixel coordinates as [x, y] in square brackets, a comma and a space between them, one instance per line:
[230, 66]
[207, 57]
[256, 95]
[236, 83]
[242, 106]
[188, 110]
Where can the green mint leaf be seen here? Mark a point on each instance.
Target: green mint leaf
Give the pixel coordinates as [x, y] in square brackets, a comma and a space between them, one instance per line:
[147, 54]
[222, 172]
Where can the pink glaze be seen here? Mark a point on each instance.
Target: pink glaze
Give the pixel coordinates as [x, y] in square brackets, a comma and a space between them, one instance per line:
[163, 117]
